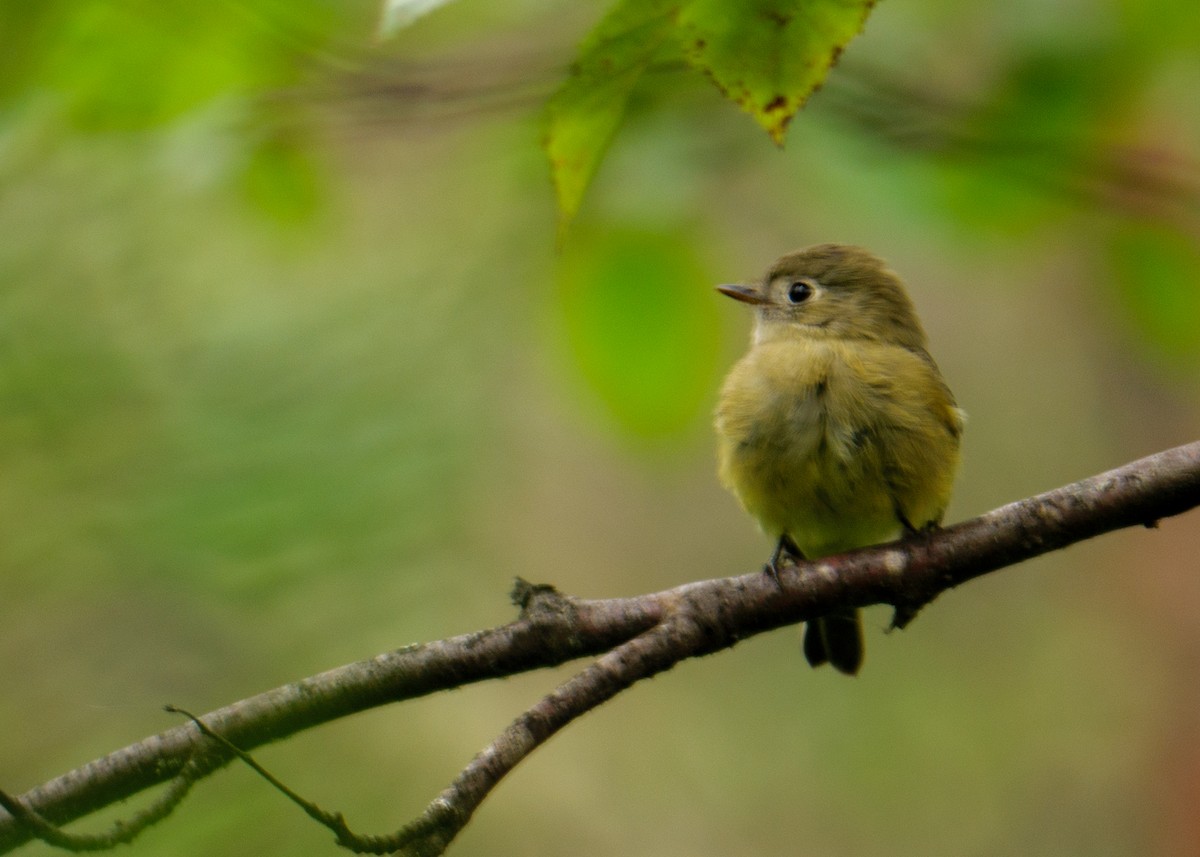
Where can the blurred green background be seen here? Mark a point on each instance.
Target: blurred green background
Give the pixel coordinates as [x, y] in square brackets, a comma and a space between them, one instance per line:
[292, 372]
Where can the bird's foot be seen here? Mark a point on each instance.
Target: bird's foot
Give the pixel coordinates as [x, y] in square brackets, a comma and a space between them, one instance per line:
[785, 551]
[911, 532]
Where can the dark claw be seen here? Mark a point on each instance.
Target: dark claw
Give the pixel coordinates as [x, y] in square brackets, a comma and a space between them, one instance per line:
[786, 549]
[902, 615]
[912, 532]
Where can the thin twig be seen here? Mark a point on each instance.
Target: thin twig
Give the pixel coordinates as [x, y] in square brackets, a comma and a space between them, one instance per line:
[122, 831]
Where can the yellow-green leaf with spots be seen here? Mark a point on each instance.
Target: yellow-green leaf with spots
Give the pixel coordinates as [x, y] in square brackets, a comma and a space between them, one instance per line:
[769, 55]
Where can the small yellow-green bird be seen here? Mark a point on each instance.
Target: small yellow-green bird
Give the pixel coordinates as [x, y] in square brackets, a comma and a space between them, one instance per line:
[836, 430]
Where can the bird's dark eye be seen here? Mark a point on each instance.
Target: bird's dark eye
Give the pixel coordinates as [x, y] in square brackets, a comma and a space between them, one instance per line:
[799, 292]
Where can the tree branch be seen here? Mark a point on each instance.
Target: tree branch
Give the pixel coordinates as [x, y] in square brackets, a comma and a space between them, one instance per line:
[637, 638]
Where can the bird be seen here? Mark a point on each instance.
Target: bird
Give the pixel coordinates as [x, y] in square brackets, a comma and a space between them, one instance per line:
[836, 429]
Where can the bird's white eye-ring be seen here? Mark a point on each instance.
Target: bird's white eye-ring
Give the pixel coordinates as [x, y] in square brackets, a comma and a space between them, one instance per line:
[799, 291]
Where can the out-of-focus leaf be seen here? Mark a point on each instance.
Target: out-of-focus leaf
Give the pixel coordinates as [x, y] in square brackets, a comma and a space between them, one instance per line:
[769, 55]
[281, 180]
[766, 55]
[398, 14]
[1157, 270]
[642, 328]
[583, 115]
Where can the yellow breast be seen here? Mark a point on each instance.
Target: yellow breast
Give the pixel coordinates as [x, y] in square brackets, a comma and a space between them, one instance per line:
[837, 443]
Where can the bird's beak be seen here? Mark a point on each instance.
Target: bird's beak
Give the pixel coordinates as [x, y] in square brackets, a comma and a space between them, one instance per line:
[745, 294]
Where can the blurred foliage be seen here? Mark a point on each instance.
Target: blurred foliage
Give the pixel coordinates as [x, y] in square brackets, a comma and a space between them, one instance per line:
[275, 393]
[1158, 272]
[108, 66]
[280, 178]
[1037, 131]
[649, 352]
[129, 65]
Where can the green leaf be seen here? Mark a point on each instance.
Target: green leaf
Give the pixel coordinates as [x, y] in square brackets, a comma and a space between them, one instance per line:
[769, 55]
[584, 114]
[642, 328]
[766, 55]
